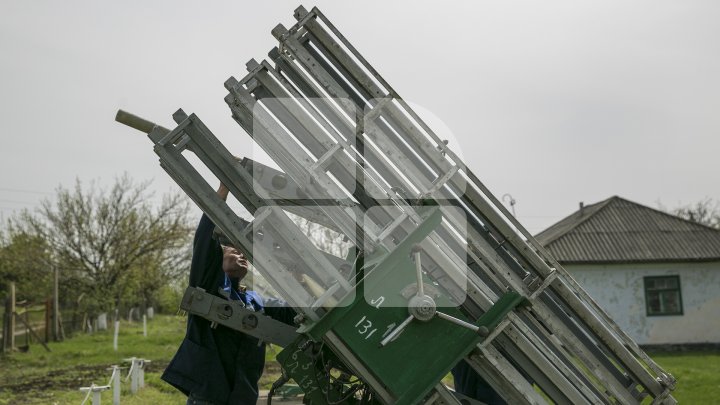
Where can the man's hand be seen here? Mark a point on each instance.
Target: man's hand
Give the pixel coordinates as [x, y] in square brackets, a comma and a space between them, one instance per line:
[223, 191]
[234, 264]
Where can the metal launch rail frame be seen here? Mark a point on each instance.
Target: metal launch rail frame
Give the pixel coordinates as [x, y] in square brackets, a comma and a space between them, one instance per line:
[438, 270]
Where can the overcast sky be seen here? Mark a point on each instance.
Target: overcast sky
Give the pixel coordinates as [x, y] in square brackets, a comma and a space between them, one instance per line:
[551, 102]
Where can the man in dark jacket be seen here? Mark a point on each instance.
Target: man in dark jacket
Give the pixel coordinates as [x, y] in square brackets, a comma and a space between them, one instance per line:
[219, 365]
[468, 382]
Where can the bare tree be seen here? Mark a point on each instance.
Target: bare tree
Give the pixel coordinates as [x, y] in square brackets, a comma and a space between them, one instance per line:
[108, 244]
[706, 212]
[324, 238]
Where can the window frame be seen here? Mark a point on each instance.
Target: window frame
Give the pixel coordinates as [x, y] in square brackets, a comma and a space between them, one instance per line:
[678, 289]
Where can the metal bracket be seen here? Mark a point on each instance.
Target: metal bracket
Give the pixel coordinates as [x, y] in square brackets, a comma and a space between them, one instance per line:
[233, 315]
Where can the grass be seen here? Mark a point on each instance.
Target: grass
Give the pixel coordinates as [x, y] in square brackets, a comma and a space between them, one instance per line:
[39, 377]
[697, 375]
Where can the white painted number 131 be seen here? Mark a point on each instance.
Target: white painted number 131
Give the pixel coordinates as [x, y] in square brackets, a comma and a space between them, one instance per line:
[363, 327]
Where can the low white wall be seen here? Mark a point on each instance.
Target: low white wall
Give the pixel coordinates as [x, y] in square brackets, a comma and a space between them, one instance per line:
[619, 289]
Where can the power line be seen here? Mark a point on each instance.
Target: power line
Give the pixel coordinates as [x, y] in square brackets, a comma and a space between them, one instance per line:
[18, 202]
[17, 190]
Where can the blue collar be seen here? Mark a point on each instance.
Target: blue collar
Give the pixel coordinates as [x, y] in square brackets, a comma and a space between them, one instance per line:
[249, 298]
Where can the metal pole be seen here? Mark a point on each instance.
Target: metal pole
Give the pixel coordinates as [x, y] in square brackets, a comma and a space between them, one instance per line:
[144, 325]
[511, 201]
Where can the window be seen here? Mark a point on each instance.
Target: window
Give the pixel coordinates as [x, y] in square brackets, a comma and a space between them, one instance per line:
[662, 296]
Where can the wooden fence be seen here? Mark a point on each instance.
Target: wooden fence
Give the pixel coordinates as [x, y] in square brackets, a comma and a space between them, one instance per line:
[26, 323]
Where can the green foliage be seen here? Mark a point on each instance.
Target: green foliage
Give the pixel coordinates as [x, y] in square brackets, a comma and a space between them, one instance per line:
[24, 260]
[168, 299]
[111, 247]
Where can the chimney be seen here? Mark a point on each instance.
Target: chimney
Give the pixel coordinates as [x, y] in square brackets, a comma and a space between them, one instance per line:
[582, 208]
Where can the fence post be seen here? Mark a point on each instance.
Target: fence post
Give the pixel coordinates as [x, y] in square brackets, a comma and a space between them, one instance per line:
[56, 304]
[115, 383]
[136, 373]
[134, 380]
[47, 320]
[11, 318]
[95, 391]
[96, 398]
[144, 325]
[133, 375]
[141, 374]
[115, 335]
[5, 325]
[27, 325]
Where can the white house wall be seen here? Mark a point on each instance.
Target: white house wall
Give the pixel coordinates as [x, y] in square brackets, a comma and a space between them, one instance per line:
[619, 289]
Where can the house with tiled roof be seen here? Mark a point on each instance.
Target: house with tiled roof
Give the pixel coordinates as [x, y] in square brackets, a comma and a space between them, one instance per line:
[657, 275]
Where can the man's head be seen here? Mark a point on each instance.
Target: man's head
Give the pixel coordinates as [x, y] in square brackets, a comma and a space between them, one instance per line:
[234, 263]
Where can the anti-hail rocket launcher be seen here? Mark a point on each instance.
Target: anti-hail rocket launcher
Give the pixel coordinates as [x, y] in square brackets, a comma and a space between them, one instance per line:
[435, 269]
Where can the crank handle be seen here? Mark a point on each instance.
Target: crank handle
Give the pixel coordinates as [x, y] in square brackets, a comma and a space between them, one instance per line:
[480, 330]
[395, 332]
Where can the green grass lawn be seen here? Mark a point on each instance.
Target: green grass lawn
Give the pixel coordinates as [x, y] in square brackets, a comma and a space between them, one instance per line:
[39, 377]
[697, 374]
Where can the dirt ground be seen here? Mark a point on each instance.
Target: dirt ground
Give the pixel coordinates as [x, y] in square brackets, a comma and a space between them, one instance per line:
[76, 376]
[38, 386]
